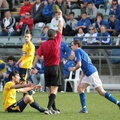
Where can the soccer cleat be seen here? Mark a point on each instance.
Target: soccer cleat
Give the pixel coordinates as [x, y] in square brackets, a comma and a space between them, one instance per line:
[31, 92]
[56, 111]
[48, 112]
[82, 111]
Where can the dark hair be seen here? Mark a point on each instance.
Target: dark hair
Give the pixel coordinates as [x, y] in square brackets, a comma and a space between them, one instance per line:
[56, 12]
[100, 14]
[10, 58]
[28, 12]
[13, 73]
[51, 33]
[28, 32]
[77, 42]
[115, 1]
[72, 13]
[90, 2]
[83, 13]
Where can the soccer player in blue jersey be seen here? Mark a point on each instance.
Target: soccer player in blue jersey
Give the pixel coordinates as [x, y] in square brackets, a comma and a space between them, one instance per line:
[89, 77]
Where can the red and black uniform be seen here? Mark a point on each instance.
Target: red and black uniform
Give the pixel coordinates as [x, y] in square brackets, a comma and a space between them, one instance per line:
[51, 52]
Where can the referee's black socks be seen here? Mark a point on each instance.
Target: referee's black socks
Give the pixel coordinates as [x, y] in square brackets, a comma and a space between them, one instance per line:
[51, 102]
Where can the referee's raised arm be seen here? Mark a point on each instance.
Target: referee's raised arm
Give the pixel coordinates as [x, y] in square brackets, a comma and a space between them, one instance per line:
[60, 24]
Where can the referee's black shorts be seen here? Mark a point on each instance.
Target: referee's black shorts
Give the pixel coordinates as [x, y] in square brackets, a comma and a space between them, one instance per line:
[52, 76]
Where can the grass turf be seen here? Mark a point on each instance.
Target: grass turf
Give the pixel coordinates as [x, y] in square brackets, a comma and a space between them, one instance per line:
[98, 107]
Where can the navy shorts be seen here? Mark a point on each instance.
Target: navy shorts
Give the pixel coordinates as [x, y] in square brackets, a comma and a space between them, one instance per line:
[19, 106]
[52, 76]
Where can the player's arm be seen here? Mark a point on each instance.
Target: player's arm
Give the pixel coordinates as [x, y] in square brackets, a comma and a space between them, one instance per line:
[35, 61]
[78, 65]
[26, 89]
[60, 24]
[21, 86]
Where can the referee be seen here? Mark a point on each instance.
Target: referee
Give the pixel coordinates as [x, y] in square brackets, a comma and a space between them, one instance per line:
[51, 52]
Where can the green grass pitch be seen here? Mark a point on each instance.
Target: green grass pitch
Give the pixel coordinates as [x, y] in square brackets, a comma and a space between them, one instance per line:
[98, 107]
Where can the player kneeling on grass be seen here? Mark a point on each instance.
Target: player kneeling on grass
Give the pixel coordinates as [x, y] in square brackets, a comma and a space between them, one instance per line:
[9, 95]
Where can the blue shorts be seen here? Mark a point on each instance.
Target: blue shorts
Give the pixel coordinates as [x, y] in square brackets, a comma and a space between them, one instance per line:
[19, 106]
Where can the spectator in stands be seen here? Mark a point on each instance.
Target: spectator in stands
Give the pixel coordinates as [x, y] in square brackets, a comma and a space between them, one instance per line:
[63, 6]
[90, 37]
[38, 75]
[115, 9]
[70, 62]
[110, 1]
[82, 6]
[27, 7]
[36, 12]
[4, 4]
[48, 11]
[69, 30]
[91, 11]
[99, 3]
[24, 24]
[113, 25]
[104, 37]
[80, 35]
[55, 20]
[10, 2]
[65, 52]
[99, 22]
[2, 69]
[86, 2]
[8, 24]
[84, 22]
[72, 4]
[43, 36]
[11, 66]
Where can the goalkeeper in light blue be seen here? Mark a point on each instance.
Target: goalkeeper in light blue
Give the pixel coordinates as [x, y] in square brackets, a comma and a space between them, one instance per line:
[89, 77]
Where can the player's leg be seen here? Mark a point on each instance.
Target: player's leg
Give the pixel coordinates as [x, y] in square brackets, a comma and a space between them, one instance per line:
[81, 88]
[29, 99]
[98, 86]
[52, 81]
[107, 95]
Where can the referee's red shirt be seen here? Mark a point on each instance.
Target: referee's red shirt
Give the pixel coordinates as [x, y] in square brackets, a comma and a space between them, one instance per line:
[51, 51]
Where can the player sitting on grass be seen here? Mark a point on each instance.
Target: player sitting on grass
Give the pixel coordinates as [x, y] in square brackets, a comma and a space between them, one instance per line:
[9, 95]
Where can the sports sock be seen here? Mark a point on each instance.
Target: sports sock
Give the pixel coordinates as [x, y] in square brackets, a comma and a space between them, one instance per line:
[83, 101]
[54, 106]
[111, 98]
[51, 100]
[36, 106]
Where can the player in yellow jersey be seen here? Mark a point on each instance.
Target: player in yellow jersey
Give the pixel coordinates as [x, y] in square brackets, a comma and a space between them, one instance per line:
[9, 95]
[25, 62]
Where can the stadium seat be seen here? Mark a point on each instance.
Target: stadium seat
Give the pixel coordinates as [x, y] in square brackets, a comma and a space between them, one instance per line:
[100, 10]
[36, 32]
[34, 40]
[73, 82]
[14, 40]
[4, 40]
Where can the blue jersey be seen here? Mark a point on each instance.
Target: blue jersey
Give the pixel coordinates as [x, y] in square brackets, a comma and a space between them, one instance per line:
[40, 66]
[65, 50]
[68, 63]
[86, 65]
[11, 68]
